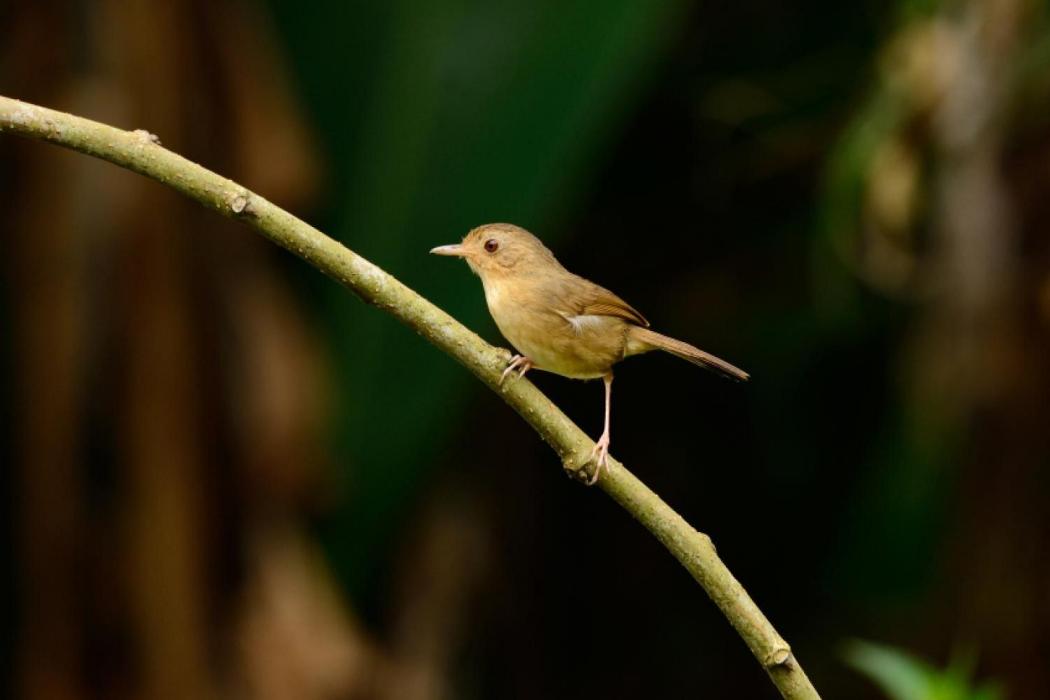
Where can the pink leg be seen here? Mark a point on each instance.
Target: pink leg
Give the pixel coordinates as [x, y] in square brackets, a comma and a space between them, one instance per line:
[600, 453]
[520, 363]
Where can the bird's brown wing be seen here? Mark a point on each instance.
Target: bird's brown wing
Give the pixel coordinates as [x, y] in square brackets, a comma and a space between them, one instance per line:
[593, 300]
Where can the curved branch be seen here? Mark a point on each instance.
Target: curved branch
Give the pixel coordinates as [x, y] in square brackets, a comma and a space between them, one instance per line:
[141, 152]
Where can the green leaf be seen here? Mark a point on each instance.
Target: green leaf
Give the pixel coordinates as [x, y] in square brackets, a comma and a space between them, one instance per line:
[905, 677]
[902, 676]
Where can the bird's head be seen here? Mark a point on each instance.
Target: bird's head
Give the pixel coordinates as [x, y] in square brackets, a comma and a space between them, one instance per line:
[496, 251]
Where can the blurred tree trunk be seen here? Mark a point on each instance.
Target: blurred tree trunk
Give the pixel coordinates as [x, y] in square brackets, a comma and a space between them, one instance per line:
[168, 404]
[967, 88]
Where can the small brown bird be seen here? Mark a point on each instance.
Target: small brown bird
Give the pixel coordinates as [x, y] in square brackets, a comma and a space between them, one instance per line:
[560, 322]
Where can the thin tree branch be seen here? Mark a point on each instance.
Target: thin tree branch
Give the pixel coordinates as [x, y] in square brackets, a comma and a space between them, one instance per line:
[141, 152]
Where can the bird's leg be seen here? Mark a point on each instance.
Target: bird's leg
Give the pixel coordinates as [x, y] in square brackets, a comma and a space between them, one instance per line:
[520, 363]
[600, 453]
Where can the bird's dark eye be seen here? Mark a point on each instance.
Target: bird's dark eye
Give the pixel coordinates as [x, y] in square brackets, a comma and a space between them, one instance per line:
[491, 245]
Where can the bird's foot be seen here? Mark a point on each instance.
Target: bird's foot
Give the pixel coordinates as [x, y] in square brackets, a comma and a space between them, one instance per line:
[600, 457]
[518, 363]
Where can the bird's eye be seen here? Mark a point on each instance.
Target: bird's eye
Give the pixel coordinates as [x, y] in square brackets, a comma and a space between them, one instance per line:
[491, 245]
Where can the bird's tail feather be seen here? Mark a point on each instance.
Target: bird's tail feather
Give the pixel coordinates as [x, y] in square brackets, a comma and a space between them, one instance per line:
[648, 340]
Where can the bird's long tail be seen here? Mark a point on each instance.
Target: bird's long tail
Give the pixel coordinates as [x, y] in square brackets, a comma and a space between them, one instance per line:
[642, 339]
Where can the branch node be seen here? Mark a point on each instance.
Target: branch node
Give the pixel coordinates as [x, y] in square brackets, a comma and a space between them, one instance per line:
[146, 137]
[779, 656]
[240, 204]
[577, 470]
[706, 539]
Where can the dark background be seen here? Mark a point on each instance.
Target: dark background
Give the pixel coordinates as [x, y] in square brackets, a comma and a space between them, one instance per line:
[228, 477]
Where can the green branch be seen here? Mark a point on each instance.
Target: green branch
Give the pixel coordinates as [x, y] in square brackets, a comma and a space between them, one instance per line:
[141, 151]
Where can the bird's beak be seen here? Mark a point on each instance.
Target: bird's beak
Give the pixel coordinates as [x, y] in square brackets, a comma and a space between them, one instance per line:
[455, 249]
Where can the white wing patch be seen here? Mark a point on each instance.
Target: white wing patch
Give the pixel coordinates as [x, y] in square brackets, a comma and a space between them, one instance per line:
[580, 323]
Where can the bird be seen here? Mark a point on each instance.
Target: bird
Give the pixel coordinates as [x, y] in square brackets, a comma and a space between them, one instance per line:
[560, 322]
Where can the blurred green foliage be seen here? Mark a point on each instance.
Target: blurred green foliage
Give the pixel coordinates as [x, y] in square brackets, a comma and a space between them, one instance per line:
[752, 139]
[905, 677]
[445, 115]
[729, 168]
